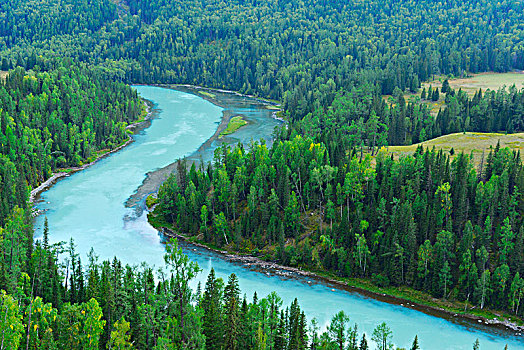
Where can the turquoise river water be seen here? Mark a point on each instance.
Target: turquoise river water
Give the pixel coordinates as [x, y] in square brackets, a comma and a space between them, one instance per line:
[89, 206]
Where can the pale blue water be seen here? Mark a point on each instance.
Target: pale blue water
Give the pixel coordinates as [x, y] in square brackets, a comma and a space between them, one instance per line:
[89, 206]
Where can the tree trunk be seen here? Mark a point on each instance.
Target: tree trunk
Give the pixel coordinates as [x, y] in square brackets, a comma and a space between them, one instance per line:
[348, 207]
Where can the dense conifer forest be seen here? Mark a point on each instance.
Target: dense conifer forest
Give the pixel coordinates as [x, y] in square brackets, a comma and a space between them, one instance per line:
[57, 119]
[427, 221]
[300, 53]
[326, 197]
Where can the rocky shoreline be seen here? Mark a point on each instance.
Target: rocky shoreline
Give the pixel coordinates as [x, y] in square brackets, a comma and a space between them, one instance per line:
[252, 261]
[195, 88]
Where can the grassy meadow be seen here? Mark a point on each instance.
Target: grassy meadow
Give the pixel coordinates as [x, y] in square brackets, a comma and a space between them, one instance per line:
[469, 143]
[484, 81]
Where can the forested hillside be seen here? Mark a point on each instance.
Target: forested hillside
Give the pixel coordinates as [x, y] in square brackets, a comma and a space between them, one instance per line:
[360, 117]
[301, 53]
[326, 197]
[56, 119]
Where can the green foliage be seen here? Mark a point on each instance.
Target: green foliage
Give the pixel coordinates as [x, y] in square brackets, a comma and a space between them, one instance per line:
[11, 326]
[234, 124]
[216, 319]
[79, 326]
[299, 53]
[120, 339]
[313, 200]
[425, 221]
[56, 119]
[382, 335]
[337, 329]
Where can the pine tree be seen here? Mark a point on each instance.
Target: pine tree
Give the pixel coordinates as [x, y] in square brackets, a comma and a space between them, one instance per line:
[364, 343]
[231, 313]
[476, 345]
[245, 340]
[183, 271]
[212, 318]
[415, 345]
[445, 87]
[45, 241]
[435, 95]
[280, 343]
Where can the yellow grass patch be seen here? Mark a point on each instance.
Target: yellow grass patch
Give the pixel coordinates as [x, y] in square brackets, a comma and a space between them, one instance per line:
[470, 142]
[207, 94]
[484, 81]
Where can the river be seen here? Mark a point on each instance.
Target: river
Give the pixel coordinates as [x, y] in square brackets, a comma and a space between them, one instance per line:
[90, 206]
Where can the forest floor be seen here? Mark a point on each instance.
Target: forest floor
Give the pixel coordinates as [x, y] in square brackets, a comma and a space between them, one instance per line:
[470, 143]
[3, 74]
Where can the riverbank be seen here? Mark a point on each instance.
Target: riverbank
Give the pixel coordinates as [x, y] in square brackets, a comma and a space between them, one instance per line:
[404, 297]
[362, 287]
[210, 94]
[222, 98]
[142, 123]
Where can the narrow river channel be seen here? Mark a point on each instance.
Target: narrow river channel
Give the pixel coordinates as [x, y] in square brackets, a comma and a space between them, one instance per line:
[90, 207]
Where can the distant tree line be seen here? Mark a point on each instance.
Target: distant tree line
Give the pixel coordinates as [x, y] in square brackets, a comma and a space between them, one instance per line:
[362, 118]
[300, 53]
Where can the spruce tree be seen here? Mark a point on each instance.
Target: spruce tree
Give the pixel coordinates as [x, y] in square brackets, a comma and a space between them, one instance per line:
[364, 343]
[476, 345]
[415, 345]
[435, 95]
[445, 87]
[231, 313]
[212, 319]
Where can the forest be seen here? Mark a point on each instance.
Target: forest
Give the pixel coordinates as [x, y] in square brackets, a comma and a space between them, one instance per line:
[59, 118]
[109, 305]
[432, 221]
[327, 197]
[299, 53]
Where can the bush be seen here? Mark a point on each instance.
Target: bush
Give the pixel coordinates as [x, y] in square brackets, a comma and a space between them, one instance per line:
[379, 280]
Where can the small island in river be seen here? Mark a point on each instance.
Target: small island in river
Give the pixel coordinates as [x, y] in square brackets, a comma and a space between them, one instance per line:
[234, 124]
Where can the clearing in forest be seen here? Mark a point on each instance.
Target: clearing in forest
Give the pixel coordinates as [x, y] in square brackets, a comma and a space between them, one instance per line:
[484, 81]
[470, 142]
